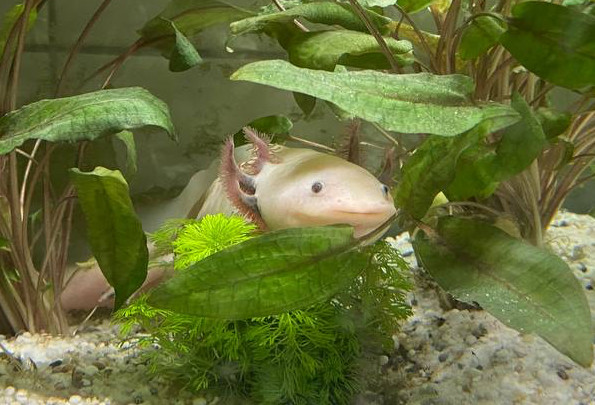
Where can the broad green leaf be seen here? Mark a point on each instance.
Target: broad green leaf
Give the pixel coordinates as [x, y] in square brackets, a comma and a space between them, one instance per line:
[184, 55]
[414, 6]
[10, 18]
[554, 42]
[553, 123]
[127, 138]
[481, 168]
[84, 117]
[408, 103]
[480, 35]
[273, 125]
[322, 13]
[324, 49]
[273, 273]
[114, 231]
[190, 18]
[526, 288]
[431, 169]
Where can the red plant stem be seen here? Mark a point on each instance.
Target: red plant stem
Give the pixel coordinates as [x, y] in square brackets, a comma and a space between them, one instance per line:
[79, 43]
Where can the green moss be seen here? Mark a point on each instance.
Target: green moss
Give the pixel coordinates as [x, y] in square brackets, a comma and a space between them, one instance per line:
[318, 355]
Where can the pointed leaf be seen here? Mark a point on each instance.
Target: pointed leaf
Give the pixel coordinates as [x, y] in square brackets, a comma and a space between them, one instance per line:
[273, 273]
[482, 33]
[323, 50]
[553, 123]
[84, 117]
[321, 13]
[114, 231]
[127, 138]
[10, 18]
[184, 55]
[554, 42]
[408, 103]
[526, 288]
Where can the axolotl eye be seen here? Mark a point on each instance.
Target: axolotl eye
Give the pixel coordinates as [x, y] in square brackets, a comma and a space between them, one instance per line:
[385, 190]
[317, 187]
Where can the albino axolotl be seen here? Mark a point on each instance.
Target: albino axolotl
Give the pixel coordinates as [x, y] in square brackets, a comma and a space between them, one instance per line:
[274, 186]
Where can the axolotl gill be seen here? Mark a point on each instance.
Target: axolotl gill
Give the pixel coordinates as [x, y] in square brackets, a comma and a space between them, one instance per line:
[274, 186]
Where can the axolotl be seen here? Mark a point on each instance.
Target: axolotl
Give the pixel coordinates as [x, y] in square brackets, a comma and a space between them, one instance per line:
[274, 186]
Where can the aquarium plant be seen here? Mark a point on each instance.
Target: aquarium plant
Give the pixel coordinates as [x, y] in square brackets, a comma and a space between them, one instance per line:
[481, 154]
[320, 354]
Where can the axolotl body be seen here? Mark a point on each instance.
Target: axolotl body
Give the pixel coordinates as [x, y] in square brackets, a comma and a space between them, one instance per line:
[274, 186]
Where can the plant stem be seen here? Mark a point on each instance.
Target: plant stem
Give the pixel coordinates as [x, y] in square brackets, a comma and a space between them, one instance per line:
[77, 45]
[359, 10]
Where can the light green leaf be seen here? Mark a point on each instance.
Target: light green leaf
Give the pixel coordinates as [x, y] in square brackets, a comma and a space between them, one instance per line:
[127, 138]
[323, 50]
[273, 273]
[480, 35]
[10, 18]
[377, 3]
[114, 232]
[84, 117]
[321, 13]
[554, 42]
[414, 6]
[408, 103]
[184, 55]
[526, 288]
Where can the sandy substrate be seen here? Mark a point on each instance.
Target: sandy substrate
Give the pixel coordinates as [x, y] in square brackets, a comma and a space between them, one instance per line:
[441, 357]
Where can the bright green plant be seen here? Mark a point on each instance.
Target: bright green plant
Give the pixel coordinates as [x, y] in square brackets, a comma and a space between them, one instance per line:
[310, 355]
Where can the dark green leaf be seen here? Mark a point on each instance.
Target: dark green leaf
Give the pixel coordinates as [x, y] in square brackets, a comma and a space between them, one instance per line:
[322, 13]
[413, 6]
[554, 42]
[10, 18]
[114, 232]
[480, 35]
[408, 103]
[431, 169]
[305, 102]
[273, 273]
[553, 123]
[127, 138]
[84, 117]
[323, 50]
[482, 167]
[526, 288]
[271, 125]
[184, 55]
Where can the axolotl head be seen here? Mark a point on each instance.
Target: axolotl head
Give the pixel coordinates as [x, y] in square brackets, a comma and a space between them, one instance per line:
[290, 187]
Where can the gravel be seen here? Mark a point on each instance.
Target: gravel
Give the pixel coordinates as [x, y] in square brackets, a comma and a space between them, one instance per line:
[456, 356]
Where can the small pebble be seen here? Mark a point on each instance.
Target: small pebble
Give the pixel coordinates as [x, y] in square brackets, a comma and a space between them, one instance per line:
[9, 391]
[442, 357]
[589, 287]
[480, 331]
[382, 360]
[582, 267]
[75, 399]
[55, 363]
[562, 374]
